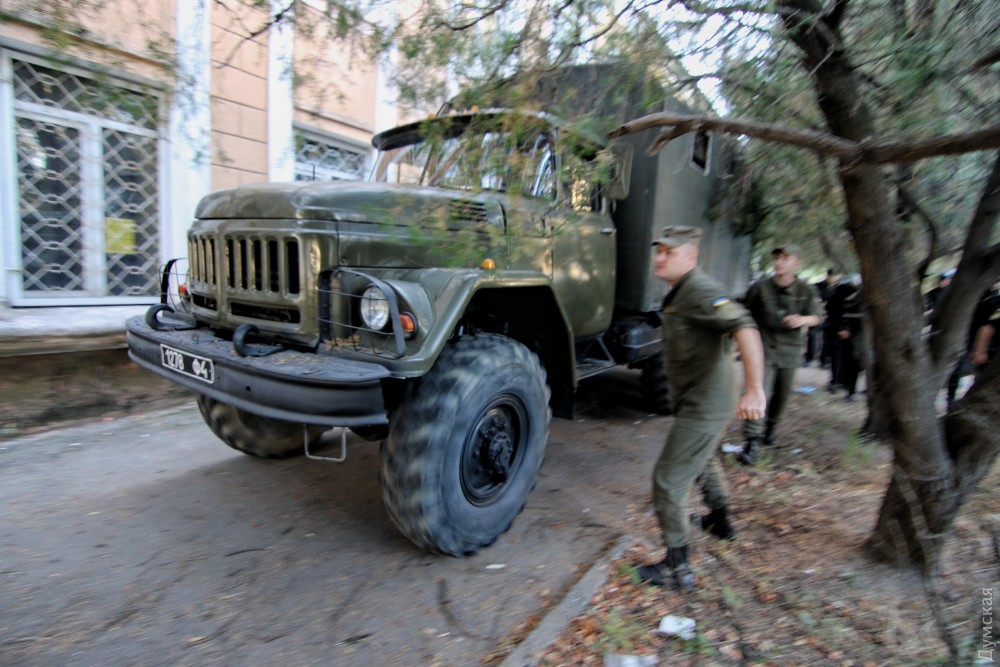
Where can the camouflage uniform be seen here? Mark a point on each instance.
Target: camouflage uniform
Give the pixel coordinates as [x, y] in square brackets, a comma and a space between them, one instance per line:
[769, 303]
[698, 320]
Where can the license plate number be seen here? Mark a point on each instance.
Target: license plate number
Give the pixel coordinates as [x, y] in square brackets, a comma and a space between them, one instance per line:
[188, 364]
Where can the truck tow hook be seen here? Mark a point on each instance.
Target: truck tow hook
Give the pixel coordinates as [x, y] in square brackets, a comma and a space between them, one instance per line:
[170, 321]
[328, 459]
[245, 349]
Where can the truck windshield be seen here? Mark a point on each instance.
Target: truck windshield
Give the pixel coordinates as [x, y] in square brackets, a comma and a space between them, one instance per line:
[496, 159]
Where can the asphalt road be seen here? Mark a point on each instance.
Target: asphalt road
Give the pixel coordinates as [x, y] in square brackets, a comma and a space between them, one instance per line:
[146, 541]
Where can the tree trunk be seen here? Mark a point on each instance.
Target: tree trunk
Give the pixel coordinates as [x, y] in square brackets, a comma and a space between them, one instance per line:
[917, 514]
[928, 485]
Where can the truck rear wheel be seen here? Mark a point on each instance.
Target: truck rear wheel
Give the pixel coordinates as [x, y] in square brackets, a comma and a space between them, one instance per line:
[465, 445]
[252, 434]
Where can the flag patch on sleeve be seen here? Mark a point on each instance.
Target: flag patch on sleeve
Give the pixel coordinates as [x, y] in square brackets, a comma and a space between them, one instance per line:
[721, 301]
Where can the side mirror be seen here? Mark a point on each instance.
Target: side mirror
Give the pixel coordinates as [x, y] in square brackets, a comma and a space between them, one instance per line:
[621, 175]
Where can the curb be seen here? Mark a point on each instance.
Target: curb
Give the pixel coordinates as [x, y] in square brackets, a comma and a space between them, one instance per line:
[573, 604]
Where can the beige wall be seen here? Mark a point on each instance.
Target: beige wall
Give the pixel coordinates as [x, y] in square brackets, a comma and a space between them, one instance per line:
[335, 89]
[239, 96]
[129, 35]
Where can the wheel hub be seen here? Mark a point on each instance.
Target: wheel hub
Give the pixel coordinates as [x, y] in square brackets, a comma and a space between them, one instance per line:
[491, 452]
[498, 450]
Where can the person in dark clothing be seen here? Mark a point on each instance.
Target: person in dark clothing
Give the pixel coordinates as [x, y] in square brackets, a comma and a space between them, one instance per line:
[847, 322]
[987, 305]
[818, 339]
[933, 298]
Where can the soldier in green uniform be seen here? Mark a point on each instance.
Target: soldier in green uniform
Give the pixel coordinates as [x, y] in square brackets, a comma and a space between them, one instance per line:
[784, 307]
[699, 321]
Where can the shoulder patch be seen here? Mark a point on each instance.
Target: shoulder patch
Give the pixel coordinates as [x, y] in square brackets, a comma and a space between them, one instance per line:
[721, 301]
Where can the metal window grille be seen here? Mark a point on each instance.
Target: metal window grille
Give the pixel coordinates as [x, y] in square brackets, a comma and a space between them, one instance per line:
[87, 187]
[319, 160]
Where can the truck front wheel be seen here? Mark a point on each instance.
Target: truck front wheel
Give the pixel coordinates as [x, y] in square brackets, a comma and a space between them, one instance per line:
[465, 445]
[252, 434]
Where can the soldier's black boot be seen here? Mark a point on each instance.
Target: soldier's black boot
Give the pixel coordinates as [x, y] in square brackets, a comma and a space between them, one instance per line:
[717, 523]
[769, 438]
[751, 451]
[673, 570]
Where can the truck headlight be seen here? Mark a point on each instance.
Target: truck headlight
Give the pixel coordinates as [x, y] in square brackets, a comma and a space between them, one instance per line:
[374, 308]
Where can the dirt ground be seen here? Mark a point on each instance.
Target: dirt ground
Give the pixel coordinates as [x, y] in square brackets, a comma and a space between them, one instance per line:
[795, 586]
[45, 391]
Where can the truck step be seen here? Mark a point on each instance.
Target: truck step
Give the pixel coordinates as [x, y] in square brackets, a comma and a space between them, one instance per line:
[586, 368]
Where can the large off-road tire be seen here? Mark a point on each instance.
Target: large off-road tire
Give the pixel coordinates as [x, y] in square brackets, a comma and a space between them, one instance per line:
[654, 384]
[372, 432]
[465, 445]
[252, 434]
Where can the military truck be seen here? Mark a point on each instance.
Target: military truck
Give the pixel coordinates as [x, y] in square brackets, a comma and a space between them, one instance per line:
[446, 307]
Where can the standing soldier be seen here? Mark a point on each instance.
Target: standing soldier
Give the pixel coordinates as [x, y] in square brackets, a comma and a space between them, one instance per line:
[783, 306]
[987, 343]
[699, 319]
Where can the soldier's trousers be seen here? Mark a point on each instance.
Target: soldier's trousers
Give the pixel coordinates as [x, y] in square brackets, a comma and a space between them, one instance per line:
[778, 388]
[688, 455]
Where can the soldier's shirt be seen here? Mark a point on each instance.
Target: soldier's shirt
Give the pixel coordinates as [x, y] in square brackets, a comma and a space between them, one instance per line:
[699, 317]
[769, 303]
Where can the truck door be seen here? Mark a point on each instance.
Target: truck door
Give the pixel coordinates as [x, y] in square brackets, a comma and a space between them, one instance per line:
[561, 228]
[583, 256]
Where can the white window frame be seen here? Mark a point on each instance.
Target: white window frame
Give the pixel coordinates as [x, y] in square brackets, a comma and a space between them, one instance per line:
[92, 175]
[335, 142]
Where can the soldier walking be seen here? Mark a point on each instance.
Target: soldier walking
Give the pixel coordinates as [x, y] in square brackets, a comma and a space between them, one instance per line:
[699, 321]
[783, 306]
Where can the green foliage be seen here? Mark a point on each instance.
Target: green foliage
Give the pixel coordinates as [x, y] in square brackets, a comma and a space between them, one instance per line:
[859, 450]
[630, 572]
[620, 635]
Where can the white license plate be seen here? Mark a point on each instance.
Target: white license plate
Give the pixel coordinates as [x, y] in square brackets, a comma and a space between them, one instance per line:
[188, 364]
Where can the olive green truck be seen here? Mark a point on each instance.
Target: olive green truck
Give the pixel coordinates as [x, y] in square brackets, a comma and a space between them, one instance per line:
[446, 307]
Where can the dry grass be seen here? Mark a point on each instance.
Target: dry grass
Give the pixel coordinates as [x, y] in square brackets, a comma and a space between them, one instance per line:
[796, 587]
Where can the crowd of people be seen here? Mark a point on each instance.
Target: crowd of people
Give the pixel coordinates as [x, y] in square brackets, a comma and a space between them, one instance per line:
[779, 316]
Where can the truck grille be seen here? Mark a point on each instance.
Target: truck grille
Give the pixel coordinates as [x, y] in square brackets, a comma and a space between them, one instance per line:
[465, 209]
[253, 271]
[248, 263]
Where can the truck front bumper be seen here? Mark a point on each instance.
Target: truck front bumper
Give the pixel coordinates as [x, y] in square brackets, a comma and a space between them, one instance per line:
[294, 386]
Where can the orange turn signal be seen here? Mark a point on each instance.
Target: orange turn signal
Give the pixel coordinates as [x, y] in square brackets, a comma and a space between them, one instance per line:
[408, 324]
[489, 264]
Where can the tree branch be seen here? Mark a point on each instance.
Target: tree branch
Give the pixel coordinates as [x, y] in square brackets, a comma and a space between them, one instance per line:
[836, 14]
[972, 275]
[471, 23]
[850, 153]
[932, 227]
[990, 58]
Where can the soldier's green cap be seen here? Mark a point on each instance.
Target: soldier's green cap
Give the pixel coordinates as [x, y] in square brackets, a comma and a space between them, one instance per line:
[788, 249]
[678, 235]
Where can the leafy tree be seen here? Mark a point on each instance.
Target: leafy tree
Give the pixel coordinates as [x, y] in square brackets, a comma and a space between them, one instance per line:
[880, 115]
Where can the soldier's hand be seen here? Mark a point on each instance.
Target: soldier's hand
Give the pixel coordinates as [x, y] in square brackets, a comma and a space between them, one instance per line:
[752, 404]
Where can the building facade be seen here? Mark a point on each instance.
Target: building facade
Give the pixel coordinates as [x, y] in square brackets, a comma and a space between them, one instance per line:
[110, 133]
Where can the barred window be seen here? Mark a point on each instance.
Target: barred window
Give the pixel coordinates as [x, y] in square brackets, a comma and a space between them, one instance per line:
[319, 159]
[87, 187]
[701, 151]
